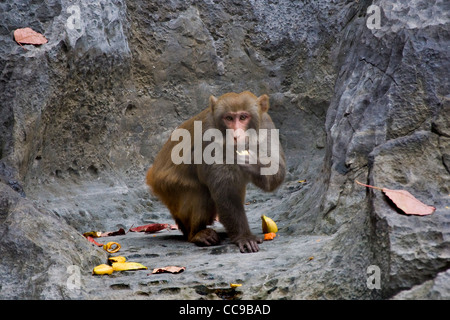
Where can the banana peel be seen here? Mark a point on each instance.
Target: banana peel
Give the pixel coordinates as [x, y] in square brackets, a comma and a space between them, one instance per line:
[117, 259]
[103, 269]
[93, 234]
[268, 225]
[127, 266]
[111, 247]
[118, 264]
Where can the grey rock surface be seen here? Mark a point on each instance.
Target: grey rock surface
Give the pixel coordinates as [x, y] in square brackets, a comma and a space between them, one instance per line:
[83, 116]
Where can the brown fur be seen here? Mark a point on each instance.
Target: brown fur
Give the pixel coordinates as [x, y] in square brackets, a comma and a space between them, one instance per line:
[196, 193]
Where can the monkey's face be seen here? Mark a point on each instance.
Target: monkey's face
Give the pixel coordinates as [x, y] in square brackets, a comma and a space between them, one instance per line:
[236, 113]
[238, 122]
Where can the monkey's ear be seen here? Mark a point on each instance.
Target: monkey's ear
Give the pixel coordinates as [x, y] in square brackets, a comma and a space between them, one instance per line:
[263, 102]
[212, 102]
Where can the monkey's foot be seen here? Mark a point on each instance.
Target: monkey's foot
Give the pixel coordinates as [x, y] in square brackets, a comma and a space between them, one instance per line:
[248, 243]
[206, 237]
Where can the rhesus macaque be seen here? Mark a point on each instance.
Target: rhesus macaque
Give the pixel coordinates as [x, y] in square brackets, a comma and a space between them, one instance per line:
[196, 191]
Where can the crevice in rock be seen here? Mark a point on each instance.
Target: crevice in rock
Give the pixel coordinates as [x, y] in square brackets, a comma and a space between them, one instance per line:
[377, 67]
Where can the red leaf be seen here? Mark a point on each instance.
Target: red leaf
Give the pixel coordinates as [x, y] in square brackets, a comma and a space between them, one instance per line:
[405, 201]
[151, 228]
[28, 36]
[91, 239]
[119, 232]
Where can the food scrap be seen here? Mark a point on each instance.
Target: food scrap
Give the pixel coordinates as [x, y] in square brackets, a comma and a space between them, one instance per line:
[111, 247]
[268, 225]
[269, 236]
[128, 266]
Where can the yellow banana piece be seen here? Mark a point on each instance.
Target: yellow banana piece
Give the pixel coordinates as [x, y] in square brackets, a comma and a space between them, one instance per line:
[117, 259]
[103, 269]
[125, 266]
[268, 225]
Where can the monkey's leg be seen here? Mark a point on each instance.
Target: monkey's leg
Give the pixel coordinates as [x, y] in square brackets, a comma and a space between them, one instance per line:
[201, 212]
[206, 237]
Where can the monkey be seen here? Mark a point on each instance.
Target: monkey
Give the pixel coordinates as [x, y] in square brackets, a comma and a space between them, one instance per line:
[195, 192]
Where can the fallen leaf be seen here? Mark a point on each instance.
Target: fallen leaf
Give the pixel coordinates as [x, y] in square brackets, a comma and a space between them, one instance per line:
[119, 232]
[405, 201]
[311, 258]
[169, 269]
[269, 236]
[235, 285]
[28, 36]
[152, 227]
[91, 239]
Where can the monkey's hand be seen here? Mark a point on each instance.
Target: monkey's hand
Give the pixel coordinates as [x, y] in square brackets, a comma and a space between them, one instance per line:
[248, 161]
[247, 243]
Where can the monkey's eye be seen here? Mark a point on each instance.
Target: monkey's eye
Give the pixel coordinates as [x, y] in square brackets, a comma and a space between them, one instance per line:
[243, 117]
[229, 118]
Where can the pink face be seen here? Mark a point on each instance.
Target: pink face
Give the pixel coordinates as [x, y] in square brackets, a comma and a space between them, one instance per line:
[237, 120]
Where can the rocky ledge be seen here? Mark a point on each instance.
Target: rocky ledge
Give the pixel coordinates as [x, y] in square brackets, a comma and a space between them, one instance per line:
[358, 89]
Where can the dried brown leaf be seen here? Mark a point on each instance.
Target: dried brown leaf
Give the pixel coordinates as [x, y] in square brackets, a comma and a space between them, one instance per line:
[119, 232]
[169, 269]
[29, 36]
[405, 201]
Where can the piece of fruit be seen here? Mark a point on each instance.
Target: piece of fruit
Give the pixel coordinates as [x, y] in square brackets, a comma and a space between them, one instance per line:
[242, 152]
[268, 225]
[235, 285]
[269, 236]
[117, 259]
[103, 269]
[126, 266]
[111, 247]
[93, 234]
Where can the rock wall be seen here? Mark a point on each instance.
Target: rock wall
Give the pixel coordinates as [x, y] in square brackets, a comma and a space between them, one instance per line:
[83, 116]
